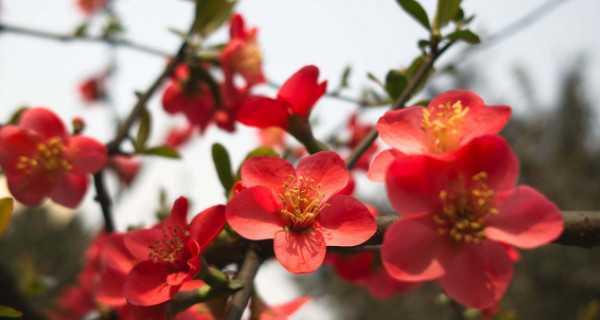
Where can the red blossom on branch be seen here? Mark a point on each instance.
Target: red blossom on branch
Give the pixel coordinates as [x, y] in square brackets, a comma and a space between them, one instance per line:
[92, 89]
[242, 54]
[40, 159]
[460, 217]
[299, 208]
[169, 253]
[90, 7]
[451, 120]
[296, 97]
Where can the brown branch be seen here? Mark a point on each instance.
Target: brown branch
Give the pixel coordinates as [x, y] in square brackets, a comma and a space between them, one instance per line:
[581, 229]
[239, 300]
[84, 38]
[103, 199]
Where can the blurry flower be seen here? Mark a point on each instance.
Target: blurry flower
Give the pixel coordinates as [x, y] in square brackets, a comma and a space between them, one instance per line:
[40, 159]
[241, 54]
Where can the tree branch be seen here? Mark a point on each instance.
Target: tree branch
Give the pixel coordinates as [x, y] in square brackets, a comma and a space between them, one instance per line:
[581, 229]
[103, 199]
[248, 271]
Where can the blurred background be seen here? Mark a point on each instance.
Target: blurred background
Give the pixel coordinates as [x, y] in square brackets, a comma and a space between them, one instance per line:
[539, 56]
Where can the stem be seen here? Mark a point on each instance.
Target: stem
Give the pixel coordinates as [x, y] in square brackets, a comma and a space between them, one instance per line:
[103, 199]
[72, 38]
[239, 300]
[406, 94]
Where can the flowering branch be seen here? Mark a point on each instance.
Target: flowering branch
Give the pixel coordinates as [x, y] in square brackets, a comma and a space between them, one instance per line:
[81, 38]
[410, 89]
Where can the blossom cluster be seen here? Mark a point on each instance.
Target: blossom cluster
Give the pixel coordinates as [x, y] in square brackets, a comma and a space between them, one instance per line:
[448, 175]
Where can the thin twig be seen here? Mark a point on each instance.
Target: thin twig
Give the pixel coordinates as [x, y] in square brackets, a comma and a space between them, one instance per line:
[103, 198]
[239, 300]
[4, 27]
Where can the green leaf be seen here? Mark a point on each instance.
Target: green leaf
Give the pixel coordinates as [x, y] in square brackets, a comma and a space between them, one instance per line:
[222, 163]
[446, 11]
[262, 152]
[415, 10]
[8, 312]
[6, 210]
[211, 14]
[466, 35]
[411, 71]
[162, 151]
[345, 75]
[395, 81]
[143, 132]
[14, 118]
[81, 30]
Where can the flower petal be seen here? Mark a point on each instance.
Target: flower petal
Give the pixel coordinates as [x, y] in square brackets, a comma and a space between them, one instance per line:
[380, 164]
[302, 90]
[14, 143]
[146, 284]
[263, 112]
[488, 120]
[300, 252]
[525, 219]
[30, 190]
[411, 248]
[86, 154]
[110, 287]
[346, 222]
[207, 225]
[478, 275]
[326, 170]
[402, 130]
[282, 311]
[413, 183]
[254, 214]
[467, 98]
[43, 122]
[270, 172]
[178, 215]
[70, 189]
[490, 154]
[138, 242]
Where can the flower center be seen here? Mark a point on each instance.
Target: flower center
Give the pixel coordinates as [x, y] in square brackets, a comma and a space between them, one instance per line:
[301, 201]
[169, 249]
[248, 59]
[462, 218]
[443, 125]
[49, 158]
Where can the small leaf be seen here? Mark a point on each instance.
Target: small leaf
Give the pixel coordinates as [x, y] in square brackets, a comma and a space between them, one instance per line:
[446, 11]
[415, 10]
[211, 14]
[223, 166]
[14, 118]
[81, 30]
[395, 81]
[411, 71]
[6, 210]
[162, 151]
[345, 75]
[8, 312]
[374, 78]
[466, 35]
[144, 129]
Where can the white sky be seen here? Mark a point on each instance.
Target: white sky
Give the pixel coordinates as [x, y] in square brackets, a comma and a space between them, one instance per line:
[371, 35]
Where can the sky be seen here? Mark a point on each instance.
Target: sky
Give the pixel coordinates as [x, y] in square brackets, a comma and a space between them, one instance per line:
[372, 36]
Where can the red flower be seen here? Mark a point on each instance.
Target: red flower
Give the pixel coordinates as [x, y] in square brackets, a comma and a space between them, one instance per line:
[177, 137]
[282, 311]
[196, 102]
[92, 89]
[126, 167]
[299, 208]
[89, 7]
[451, 120]
[460, 216]
[41, 160]
[272, 137]
[169, 253]
[296, 96]
[242, 54]
[74, 302]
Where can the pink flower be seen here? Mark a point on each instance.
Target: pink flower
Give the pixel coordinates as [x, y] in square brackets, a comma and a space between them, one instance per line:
[169, 253]
[461, 216]
[451, 120]
[40, 159]
[299, 208]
